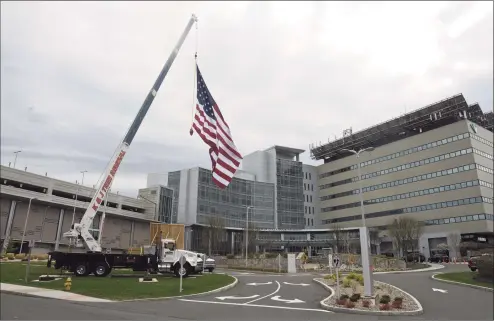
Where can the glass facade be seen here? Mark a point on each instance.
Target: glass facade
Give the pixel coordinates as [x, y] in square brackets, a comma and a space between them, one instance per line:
[290, 195]
[230, 203]
[174, 184]
[165, 208]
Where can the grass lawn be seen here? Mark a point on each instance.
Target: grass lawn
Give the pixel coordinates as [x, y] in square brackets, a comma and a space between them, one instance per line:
[463, 277]
[113, 288]
[416, 266]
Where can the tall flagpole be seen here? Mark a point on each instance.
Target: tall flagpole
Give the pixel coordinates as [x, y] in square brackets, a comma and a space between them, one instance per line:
[191, 131]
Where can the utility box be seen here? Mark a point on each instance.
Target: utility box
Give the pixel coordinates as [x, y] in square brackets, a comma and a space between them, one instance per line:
[169, 231]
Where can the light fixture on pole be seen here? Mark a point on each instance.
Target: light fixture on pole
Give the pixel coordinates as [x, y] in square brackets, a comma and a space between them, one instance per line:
[247, 231]
[25, 223]
[363, 231]
[15, 159]
[82, 181]
[77, 193]
[154, 204]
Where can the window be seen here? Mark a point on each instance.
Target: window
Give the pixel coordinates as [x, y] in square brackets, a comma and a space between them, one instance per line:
[310, 176]
[311, 198]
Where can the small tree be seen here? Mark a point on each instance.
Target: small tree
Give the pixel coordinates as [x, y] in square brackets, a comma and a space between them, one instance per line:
[216, 231]
[338, 237]
[454, 240]
[406, 232]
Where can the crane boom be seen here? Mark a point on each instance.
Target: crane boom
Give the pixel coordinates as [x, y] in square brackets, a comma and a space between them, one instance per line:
[81, 229]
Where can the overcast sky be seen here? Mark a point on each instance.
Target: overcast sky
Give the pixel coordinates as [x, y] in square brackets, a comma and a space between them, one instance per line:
[74, 75]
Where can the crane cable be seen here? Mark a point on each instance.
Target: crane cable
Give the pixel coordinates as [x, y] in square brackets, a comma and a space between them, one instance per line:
[193, 107]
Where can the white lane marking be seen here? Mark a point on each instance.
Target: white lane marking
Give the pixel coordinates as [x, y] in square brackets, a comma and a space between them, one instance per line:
[257, 305]
[301, 284]
[259, 283]
[263, 297]
[277, 298]
[439, 290]
[237, 297]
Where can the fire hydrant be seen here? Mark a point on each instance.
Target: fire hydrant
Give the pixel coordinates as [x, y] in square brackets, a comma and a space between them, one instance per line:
[68, 284]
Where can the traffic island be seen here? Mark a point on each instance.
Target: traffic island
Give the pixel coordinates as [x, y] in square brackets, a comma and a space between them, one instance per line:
[468, 279]
[388, 299]
[115, 289]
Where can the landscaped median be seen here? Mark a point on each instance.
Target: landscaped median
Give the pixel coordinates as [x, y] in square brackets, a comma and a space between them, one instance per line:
[115, 288]
[467, 278]
[389, 300]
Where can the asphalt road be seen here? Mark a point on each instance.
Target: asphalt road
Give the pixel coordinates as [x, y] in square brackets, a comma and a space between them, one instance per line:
[263, 296]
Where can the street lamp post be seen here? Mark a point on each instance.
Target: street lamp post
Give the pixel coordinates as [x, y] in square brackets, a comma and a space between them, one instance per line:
[75, 199]
[363, 235]
[154, 204]
[15, 159]
[25, 223]
[247, 231]
[82, 181]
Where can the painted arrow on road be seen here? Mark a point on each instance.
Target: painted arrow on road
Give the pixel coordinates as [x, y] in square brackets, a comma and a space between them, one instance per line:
[259, 283]
[439, 290]
[277, 298]
[237, 297]
[301, 284]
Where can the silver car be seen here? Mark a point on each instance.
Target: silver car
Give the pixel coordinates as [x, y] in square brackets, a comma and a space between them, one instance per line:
[208, 263]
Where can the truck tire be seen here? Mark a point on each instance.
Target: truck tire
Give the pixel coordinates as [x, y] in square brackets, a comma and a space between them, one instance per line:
[101, 269]
[210, 270]
[185, 271]
[81, 269]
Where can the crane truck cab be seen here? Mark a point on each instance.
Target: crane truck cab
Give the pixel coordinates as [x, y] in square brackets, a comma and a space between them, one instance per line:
[169, 260]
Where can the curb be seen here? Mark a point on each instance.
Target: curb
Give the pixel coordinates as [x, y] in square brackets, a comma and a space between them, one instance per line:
[224, 288]
[98, 300]
[363, 312]
[432, 267]
[479, 287]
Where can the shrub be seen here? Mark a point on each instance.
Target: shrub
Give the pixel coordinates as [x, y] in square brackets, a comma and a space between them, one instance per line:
[42, 256]
[10, 258]
[385, 299]
[355, 297]
[397, 304]
[271, 255]
[10, 255]
[360, 279]
[350, 305]
[346, 283]
[230, 256]
[366, 303]
[351, 276]
[354, 286]
[344, 297]
[485, 266]
[20, 256]
[398, 298]
[384, 307]
[340, 302]
[328, 277]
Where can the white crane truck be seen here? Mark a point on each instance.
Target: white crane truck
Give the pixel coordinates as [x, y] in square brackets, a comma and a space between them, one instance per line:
[160, 257]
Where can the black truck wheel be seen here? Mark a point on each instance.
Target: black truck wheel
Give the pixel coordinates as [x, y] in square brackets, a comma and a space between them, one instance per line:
[184, 271]
[101, 269]
[81, 269]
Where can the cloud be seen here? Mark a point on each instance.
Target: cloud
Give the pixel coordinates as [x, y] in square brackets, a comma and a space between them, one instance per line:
[74, 75]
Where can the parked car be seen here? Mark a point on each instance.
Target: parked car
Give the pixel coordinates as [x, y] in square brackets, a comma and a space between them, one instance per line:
[208, 263]
[472, 263]
[438, 258]
[414, 257]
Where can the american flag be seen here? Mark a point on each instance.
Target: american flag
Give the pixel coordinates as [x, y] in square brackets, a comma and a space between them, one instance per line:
[213, 129]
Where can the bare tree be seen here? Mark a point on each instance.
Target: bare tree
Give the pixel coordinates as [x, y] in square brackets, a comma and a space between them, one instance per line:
[454, 240]
[397, 235]
[338, 236]
[216, 232]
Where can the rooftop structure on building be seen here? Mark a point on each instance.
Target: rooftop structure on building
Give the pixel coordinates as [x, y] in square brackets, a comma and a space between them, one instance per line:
[433, 116]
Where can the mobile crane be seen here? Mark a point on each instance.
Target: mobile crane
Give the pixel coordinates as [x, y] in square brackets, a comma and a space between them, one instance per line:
[160, 256]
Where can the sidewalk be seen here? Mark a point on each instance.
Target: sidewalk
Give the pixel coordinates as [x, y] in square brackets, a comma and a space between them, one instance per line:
[46, 293]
